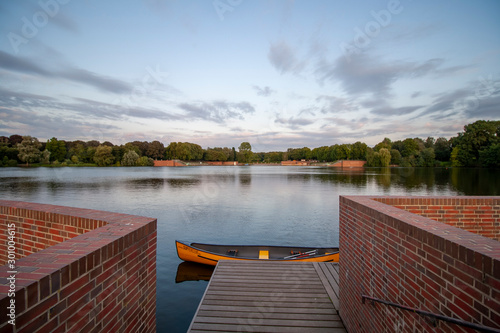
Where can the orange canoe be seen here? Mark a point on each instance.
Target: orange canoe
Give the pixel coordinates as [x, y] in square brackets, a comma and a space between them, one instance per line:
[210, 254]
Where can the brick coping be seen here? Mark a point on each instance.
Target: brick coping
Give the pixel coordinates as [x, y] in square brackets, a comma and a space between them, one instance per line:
[446, 238]
[68, 260]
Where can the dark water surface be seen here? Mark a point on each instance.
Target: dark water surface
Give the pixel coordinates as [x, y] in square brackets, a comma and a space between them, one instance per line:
[236, 205]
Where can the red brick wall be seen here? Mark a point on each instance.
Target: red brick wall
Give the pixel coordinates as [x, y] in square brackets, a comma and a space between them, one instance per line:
[401, 257]
[36, 233]
[300, 163]
[103, 280]
[477, 215]
[349, 164]
[168, 163]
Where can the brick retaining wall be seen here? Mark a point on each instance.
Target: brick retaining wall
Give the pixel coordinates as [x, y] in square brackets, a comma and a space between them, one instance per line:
[477, 215]
[80, 269]
[349, 164]
[409, 259]
[169, 163]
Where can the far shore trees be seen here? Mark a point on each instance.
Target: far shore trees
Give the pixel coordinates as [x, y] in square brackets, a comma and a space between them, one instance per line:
[245, 152]
[29, 150]
[477, 146]
[57, 149]
[103, 156]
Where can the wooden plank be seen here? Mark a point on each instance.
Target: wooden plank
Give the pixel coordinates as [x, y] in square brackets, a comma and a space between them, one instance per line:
[271, 315]
[223, 308]
[214, 293]
[321, 268]
[256, 321]
[205, 327]
[269, 297]
[267, 304]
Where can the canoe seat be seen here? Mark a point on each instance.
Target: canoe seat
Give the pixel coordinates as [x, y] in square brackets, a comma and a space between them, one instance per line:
[263, 254]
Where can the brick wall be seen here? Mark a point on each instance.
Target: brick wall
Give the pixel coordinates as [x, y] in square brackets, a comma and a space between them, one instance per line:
[409, 259]
[299, 163]
[477, 215]
[349, 164]
[35, 234]
[169, 163]
[100, 277]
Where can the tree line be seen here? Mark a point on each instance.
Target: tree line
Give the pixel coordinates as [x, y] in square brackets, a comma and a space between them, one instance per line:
[477, 146]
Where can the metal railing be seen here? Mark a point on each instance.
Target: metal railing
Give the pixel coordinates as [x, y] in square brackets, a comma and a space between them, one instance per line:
[433, 316]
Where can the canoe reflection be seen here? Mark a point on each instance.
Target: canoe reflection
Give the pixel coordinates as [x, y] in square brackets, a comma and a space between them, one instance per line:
[191, 271]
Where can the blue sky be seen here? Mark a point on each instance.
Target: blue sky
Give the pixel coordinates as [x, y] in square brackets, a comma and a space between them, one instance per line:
[278, 74]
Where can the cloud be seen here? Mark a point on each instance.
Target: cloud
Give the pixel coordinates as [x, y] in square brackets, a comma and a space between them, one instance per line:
[361, 74]
[82, 76]
[17, 64]
[97, 109]
[486, 108]
[444, 102]
[82, 106]
[399, 111]
[292, 122]
[341, 123]
[96, 81]
[265, 91]
[38, 125]
[366, 74]
[217, 111]
[283, 58]
[10, 98]
[333, 104]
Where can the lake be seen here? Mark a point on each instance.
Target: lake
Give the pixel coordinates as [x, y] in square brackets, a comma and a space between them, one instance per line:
[234, 205]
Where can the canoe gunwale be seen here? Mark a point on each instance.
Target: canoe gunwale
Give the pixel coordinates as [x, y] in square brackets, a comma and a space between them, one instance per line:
[229, 257]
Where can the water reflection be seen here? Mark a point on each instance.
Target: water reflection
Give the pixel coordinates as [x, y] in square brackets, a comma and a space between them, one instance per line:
[476, 181]
[183, 182]
[463, 181]
[245, 179]
[191, 271]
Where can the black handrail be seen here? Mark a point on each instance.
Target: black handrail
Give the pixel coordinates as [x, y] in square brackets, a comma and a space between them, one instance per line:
[460, 322]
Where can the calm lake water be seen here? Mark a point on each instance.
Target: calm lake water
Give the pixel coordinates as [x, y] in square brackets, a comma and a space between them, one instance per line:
[234, 205]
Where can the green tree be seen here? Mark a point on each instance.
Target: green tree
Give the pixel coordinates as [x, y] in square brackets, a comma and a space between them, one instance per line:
[410, 148]
[395, 157]
[245, 152]
[320, 154]
[6, 151]
[145, 161]
[155, 150]
[428, 157]
[57, 149]
[183, 151]
[45, 157]
[386, 143]
[234, 156]
[372, 158]
[29, 150]
[490, 157]
[103, 156]
[130, 158]
[476, 137]
[215, 154]
[358, 151]
[442, 149]
[344, 152]
[454, 157]
[384, 157]
[430, 142]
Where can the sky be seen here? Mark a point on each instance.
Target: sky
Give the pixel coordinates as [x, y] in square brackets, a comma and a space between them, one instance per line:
[276, 73]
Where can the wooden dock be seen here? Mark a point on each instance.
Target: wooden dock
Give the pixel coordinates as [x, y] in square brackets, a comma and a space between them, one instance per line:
[256, 296]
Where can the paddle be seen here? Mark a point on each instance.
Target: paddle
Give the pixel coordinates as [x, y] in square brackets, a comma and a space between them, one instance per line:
[302, 254]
